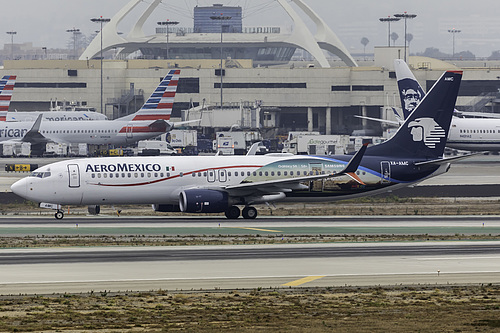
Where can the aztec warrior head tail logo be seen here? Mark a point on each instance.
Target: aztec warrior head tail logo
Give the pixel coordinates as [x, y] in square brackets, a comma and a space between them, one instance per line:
[411, 98]
[426, 130]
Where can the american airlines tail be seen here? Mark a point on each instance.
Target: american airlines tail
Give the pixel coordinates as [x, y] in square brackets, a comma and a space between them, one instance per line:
[6, 87]
[159, 105]
[424, 132]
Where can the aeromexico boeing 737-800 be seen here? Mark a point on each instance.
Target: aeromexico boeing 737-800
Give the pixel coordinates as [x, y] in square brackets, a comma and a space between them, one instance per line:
[150, 121]
[216, 184]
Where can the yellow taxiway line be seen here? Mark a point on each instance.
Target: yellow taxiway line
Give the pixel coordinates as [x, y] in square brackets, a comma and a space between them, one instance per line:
[256, 229]
[302, 281]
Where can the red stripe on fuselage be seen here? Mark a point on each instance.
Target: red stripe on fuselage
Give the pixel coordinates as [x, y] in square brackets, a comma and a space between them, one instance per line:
[142, 129]
[152, 117]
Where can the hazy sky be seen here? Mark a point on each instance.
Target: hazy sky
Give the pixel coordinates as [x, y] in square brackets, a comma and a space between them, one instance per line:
[44, 22]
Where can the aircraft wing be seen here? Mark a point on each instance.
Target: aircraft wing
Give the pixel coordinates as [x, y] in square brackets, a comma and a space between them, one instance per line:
[180, 123]
[447, 160]
[384, 121]
[34, 135]
[289, 184]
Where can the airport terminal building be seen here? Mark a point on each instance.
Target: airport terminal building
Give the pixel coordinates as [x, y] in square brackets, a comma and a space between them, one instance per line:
[323, 95]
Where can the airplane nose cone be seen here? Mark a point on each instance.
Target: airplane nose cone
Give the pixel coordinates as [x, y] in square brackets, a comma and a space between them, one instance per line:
[19, 187]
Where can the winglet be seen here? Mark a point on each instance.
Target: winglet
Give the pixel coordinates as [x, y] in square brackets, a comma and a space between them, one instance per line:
[353, 164]
[34, 135]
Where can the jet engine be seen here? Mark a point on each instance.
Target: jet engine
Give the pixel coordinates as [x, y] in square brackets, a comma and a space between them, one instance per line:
[203, 201]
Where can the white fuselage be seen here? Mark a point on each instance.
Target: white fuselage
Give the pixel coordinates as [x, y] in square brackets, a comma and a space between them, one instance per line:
[98, 132]
[474, 134]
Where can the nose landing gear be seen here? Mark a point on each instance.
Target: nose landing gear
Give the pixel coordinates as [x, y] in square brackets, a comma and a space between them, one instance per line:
[59, 215]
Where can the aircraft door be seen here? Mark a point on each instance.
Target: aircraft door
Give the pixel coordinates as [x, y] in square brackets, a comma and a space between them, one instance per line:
[211, 175]
[385, 171]
[222, 175]
[316, 169]
[129, 130]
[74, 175]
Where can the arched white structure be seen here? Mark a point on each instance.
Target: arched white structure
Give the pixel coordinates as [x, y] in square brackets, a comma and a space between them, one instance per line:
[325, 38]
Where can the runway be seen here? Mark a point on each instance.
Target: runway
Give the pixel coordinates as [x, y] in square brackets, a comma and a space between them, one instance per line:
[286, 225]
[142, 268]
[235, 267]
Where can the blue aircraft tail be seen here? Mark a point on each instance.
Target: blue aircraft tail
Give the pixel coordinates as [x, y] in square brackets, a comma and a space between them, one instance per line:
[423, 134]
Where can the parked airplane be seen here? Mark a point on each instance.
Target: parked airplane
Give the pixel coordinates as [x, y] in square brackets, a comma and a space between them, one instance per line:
[7, 84]
[475, 134]
[214, 184]
[150, 121]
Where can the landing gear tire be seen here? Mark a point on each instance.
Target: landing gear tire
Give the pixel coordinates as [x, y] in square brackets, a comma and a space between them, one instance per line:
[232, 213]
[94, 209]
[249, 213]
[59, 215]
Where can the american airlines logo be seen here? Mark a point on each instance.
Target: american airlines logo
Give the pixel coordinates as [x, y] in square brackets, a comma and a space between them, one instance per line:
[427, 131]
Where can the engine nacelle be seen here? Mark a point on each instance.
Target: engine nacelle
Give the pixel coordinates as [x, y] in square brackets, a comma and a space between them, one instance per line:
[203, 201]
[166, 208]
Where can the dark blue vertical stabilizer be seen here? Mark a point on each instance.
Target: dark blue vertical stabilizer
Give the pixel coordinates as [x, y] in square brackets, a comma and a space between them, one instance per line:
[424, 132]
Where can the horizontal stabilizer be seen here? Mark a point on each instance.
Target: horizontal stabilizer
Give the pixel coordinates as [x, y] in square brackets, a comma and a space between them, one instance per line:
[447, 160]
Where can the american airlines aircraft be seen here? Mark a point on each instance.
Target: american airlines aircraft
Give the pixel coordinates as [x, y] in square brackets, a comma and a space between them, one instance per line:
[475, 134]
[150, 121]
[7, 84]
[216, 184]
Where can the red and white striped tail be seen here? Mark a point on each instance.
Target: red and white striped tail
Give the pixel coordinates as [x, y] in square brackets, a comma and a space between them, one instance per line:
[6, 88]
[159, 105]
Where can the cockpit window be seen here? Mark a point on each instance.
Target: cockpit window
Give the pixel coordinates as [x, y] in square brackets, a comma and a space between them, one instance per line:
[40, 174]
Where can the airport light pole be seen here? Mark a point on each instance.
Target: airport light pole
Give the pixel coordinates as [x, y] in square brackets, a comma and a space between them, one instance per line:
[389, 19]
[221, 19]
[75, 33]
[168, 23]
[11, 33]
[101, 20]
[406, 17]
[453, 33]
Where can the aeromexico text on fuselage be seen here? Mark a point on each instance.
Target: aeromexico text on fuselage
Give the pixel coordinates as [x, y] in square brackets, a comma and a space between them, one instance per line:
[123, 167]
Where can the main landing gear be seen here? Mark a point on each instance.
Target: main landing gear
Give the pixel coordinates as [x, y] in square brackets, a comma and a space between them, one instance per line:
[59, 215]
[233, 213]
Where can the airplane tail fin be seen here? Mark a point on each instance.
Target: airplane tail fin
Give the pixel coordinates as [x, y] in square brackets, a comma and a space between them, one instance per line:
[159, 104]
[410, 91]
[424, 133]
[6, 88]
